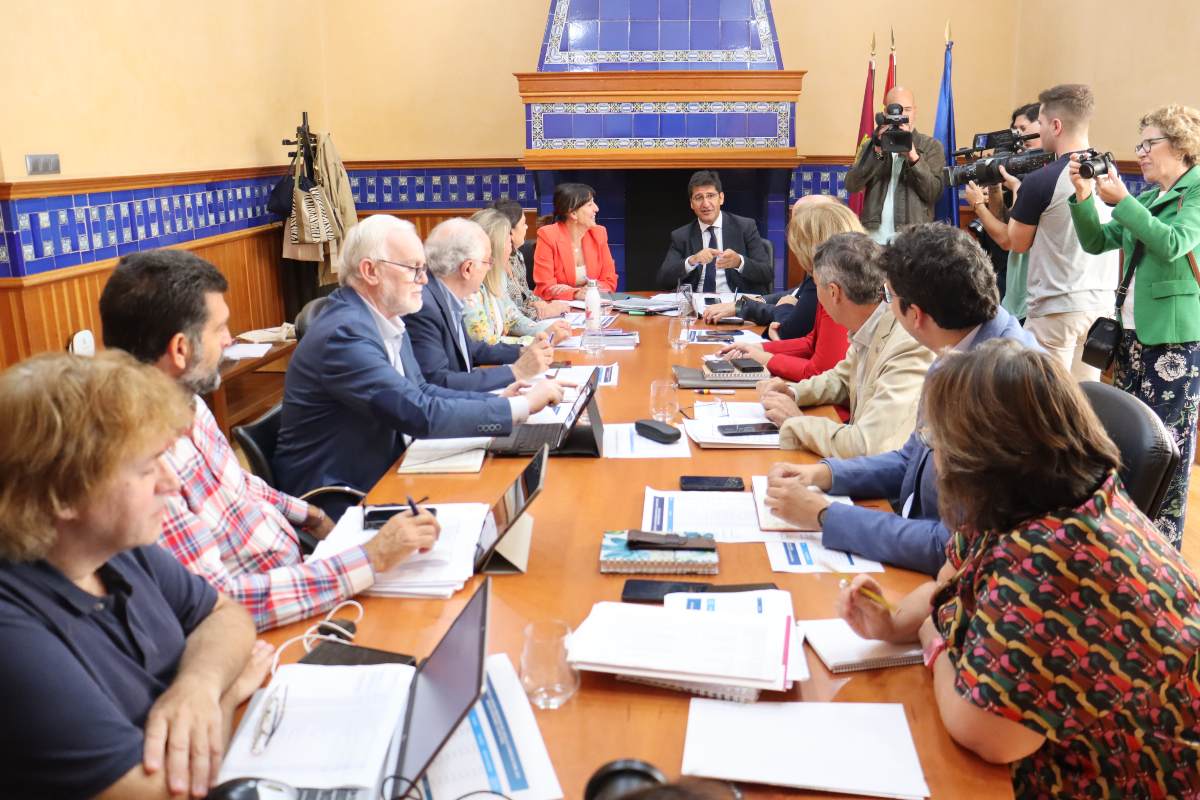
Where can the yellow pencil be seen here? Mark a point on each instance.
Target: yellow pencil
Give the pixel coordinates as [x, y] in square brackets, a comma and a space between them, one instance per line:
[870, 594]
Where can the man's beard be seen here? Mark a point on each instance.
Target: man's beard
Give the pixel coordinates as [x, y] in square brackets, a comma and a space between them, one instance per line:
[200, 382]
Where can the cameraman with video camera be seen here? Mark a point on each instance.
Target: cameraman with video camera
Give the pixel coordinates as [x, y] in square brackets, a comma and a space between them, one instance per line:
[1067, 287]
[992, 213]
[899, 169]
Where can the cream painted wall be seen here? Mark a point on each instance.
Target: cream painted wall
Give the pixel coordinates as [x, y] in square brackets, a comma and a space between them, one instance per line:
[1135, 58]
[129, 87]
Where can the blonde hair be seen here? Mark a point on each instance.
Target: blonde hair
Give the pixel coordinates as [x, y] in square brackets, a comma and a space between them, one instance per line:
[813, 223]
[499, 231]
[1181, 126]
[69, 424]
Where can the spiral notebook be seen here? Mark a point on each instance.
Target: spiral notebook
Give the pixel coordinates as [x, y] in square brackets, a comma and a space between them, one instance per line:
[735, 694]
[843, 650]
[615, 556]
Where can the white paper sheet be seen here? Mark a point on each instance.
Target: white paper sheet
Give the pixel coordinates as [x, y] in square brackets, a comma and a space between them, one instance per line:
[622, 441]
[743, 411]
[704, 433]
[855, 748]
[335, 729]
[427, 456]
[804, 553]
[498, 746]
[768, 520]
[240, 350]
[729, 516]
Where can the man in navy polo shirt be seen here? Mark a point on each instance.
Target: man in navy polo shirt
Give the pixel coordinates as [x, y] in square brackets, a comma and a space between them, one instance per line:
[119, 669]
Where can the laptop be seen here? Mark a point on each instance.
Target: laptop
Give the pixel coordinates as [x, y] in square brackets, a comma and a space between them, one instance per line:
[564, 437]
[506, 511]
[444, 688]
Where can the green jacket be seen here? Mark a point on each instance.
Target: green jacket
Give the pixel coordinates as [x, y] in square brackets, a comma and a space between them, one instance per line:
[1166, 300]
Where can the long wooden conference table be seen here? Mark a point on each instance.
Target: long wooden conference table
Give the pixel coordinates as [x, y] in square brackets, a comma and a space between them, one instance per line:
[610, 719]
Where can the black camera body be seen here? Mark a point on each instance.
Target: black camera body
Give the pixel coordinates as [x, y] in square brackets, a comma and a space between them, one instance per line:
[986, 171]
[1092, 163]
[892, 139]
[1005, 141]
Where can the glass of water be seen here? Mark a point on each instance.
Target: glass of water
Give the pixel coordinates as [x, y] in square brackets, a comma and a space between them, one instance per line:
[546, 675]
[664, 400]
[677, 332]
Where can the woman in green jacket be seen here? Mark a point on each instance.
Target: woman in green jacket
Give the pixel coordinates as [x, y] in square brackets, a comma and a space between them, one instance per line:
[1158, 359]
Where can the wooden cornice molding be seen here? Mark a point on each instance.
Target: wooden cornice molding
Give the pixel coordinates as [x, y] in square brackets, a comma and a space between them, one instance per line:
[53, 188]
[659, 85]
[435, 163]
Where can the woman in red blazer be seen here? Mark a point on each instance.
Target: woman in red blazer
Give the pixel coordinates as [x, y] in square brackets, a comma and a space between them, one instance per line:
[571, 247]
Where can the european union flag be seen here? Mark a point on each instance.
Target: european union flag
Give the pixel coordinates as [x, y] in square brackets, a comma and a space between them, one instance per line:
[943, 130]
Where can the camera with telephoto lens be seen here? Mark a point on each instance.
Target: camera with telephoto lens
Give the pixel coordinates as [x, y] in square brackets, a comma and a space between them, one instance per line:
[1008, 151]
[1092, 163]
[892, 139]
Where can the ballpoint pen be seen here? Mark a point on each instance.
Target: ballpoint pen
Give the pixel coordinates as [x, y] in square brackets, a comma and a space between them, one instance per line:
[412, 504]
[714, 391]
[870, 594]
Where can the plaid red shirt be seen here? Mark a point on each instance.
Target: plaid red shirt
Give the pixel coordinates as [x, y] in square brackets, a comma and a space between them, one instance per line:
[232, 529]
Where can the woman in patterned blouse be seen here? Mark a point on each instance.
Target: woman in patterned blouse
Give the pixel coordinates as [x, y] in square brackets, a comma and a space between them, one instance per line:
[518, 283]
[490, 315]
[1064, 630]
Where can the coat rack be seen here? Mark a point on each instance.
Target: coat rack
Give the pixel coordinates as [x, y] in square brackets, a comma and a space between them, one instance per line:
[306, 142]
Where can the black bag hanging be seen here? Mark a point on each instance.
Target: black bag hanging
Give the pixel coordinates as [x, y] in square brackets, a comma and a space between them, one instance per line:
[280, 200]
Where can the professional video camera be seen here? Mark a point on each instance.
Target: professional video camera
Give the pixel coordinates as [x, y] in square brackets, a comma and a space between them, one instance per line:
[1092, 163]
[892, 139]
[1008, 151]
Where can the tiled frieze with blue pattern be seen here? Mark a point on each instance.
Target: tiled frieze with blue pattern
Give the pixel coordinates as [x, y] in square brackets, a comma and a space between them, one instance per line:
[46, 233]
[632, 35]
[376, 190]
[730, 124]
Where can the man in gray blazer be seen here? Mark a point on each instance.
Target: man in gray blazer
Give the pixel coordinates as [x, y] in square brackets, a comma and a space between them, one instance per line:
[719, 252]
[354, 395]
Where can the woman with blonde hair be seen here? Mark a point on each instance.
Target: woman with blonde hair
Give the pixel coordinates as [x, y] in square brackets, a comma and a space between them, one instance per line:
[796, 359]
[1063, 632]
[1157, 359]
[490, 315]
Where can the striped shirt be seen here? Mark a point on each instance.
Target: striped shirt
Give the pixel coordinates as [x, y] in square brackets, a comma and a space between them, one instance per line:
[232, 529]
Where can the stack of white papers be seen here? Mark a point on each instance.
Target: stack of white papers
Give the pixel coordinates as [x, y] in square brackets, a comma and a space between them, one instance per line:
[614, 339]
[439, 573]
[705, 433]
[852, 748]
[445, 455]
[668, 645]
[577, 319]
[609, 374]
[335, 728]
[843, 650]
[236, 352]
[768, 521]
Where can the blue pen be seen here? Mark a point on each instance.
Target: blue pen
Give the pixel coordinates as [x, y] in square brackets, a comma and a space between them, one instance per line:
[413, 505]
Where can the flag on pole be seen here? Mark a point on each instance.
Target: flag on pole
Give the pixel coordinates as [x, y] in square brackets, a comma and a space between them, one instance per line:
[946, 208]
[866, 122]
[890, 83]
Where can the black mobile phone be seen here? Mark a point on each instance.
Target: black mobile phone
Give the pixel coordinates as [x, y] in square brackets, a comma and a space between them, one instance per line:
[711, 483]
[752, 429]
[746, 365]
[641, 590]
[711, 301]
[721, 367]
[374, 517]
[731, 321]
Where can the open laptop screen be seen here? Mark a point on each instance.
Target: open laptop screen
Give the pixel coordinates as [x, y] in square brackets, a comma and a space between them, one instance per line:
[445, 687]
[511, 505]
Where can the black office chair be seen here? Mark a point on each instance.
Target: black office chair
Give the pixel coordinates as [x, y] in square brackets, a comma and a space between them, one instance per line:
[526, 249]
[307, 314]
[771, 259]
[1149, 455]
[257, 440]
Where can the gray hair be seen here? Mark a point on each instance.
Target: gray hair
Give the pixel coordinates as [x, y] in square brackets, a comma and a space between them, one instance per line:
[365, 240]
[451, 243]
[852, 261]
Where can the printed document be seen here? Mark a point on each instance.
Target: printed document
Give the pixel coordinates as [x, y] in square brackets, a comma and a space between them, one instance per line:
[621, 440]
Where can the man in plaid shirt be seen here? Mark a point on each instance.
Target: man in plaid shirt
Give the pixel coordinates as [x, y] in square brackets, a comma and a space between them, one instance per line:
[167, 307]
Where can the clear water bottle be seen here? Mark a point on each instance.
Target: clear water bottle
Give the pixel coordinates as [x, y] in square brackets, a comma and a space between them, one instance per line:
[593, 335]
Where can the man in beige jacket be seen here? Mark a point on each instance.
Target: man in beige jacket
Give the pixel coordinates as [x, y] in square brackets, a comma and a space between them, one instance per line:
[881, 376]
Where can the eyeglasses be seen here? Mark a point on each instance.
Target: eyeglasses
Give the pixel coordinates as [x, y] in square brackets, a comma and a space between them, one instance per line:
[886, 294]
[487, 261]
[268, 721]
[419, 270]
[1143, 147]
[710, 197]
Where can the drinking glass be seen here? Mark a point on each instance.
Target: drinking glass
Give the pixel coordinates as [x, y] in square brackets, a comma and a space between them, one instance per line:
[677, 332]
[547, 677]
[664, 403]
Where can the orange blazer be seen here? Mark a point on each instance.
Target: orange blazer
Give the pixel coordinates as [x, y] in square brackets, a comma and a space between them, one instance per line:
[554, 261]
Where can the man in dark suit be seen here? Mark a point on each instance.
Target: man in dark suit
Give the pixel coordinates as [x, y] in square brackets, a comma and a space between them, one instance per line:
[459, 255]
[942, 289]
[354, 394]
[719, 252]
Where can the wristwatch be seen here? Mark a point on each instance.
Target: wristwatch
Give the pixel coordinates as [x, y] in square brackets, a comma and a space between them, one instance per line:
[932, 650]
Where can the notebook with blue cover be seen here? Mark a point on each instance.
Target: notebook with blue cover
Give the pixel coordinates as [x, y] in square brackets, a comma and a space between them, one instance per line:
[615, 556]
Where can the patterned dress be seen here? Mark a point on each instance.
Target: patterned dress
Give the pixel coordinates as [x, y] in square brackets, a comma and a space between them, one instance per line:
[1085, 627]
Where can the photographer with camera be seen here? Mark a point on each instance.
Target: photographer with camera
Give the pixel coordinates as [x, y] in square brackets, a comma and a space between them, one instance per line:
[1157, 357]
[1068, 288]
[992, 213]
[899, 169]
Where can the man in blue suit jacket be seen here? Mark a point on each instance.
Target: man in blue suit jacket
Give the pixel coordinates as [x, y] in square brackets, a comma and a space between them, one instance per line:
[354, 394]
[459, 255]
[941, 287]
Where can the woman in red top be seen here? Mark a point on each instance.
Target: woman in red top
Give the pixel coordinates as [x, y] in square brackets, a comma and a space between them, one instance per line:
[572, 248]
[826, 344]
